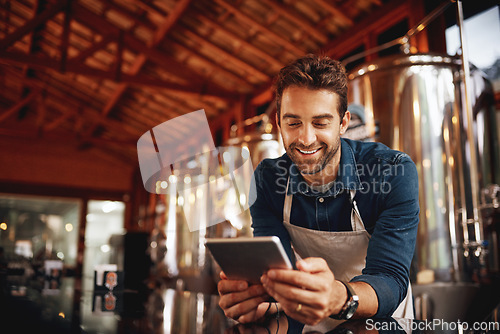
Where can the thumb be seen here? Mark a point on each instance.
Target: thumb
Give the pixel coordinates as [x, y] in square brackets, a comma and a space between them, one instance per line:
[312, 265]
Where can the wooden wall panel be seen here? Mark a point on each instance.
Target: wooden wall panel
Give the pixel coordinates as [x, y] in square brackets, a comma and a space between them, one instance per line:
[40, 162]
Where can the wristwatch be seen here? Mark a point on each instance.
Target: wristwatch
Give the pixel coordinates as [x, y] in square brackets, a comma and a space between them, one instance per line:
[350, 305]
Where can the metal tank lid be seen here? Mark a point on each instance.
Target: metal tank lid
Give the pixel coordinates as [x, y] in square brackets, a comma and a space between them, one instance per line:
[404, 60]
[251, 137]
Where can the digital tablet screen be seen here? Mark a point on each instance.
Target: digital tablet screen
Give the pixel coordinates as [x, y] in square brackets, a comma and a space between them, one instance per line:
[248, 258]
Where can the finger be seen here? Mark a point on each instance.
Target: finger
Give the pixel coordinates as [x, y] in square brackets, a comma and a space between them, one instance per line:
[228, 300]
[305, 314]
[301, 279]
[238, 310]
[305, 317]
[222, 275]
[313, 265]
[255, 314]
[228, 286]
[316, 299]
[248, 317]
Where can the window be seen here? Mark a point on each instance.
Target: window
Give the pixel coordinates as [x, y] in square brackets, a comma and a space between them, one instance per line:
[39, 228]
[482, 34]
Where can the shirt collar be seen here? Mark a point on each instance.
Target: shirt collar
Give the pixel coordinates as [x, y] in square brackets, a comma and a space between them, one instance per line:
[347, 176]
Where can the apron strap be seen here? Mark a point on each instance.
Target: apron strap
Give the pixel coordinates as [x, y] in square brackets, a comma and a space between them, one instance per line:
[287, 207]
[356, 221]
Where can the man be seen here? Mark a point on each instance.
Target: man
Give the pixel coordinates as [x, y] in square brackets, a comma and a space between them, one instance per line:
[349, 209]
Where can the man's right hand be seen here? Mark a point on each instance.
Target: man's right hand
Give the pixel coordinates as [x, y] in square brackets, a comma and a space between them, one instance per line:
[242, 302]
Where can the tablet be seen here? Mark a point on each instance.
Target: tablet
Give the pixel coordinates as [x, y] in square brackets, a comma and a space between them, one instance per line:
[248, 258]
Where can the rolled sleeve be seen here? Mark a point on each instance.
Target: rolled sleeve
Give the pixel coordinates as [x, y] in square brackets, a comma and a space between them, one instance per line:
[385, 293]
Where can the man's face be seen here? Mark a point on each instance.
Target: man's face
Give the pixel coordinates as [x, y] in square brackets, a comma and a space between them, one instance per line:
[311, 129]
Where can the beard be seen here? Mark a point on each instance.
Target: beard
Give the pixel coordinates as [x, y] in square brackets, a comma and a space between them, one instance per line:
[309, 166]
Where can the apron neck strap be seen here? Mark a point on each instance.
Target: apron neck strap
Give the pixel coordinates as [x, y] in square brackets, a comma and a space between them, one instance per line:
[287, 207]
[356, 221]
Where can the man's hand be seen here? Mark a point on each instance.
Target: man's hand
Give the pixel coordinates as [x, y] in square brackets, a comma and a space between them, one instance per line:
[309, 294]
[241, 302]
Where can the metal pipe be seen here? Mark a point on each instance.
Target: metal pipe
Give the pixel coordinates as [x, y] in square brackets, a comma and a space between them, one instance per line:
[402, 40]
[426, 20]
[264, 117]
[249, 121]
[447, 130]
[477, 220]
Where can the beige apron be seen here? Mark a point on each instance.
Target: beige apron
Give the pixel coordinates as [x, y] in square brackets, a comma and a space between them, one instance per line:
[345, 253]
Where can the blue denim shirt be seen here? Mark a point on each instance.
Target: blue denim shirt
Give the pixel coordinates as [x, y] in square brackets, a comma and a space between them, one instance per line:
[386, 184]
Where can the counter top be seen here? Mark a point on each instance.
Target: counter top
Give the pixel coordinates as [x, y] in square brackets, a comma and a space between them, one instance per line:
[159, 310]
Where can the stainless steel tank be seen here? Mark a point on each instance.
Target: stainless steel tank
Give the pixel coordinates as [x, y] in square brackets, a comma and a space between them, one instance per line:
[216, 206]
[207, 198]
[264, 142]
[416, 102]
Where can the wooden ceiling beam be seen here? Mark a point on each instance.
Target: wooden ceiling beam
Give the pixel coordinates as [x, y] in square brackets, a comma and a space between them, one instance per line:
[196, 89]
[31, 24]
[25, 101]
[176, 102]
[189, 105]
[100, 24]
[150, 122]
[139, 62]
[264, 94]
[297, 19]
[36, 11]
[69, 104]
[148, 99]
[171, 19]
[106, 39]
[336, 12]
[130, 144]
[131, 16]
[166, 62]
[56, 123]
[269, 33]
[215, 68]
[248, 46]
[354, 3]
[80, 111]
[65, 36]
[150, 6]
[379, 20]
[72, 105]
[224, 55]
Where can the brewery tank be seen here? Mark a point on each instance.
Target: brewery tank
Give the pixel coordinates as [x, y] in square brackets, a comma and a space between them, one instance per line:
[180, 254]
[417, 103]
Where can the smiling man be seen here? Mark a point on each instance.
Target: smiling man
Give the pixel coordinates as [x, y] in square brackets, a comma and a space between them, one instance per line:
[347, 210]
[311, 132]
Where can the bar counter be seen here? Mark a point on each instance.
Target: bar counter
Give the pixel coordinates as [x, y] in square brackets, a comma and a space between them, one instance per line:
[158, 310]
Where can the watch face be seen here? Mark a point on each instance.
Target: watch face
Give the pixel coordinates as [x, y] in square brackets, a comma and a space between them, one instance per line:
[350, 306]
[353, 306]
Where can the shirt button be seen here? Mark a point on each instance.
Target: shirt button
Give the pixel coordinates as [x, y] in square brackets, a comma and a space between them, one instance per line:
[321, 200]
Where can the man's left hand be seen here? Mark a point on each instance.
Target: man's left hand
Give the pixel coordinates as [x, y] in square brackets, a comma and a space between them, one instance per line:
[309, 294]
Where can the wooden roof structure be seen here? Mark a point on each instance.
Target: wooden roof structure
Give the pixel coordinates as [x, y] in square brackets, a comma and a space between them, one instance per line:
[103, 72]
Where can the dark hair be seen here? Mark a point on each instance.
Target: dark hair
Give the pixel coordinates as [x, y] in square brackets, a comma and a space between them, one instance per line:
[314, 72]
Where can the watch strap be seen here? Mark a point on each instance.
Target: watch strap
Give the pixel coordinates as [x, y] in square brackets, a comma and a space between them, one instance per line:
[350, 305]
